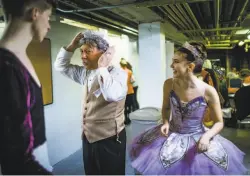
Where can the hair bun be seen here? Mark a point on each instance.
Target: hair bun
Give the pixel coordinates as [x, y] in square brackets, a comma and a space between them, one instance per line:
[201, 48]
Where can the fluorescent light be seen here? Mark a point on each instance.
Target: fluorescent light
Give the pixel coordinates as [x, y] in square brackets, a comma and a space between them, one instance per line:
[131, 32]
[243, 31]
[248, 37]
[132, 29]
[78, 24]
[241, 43]
[214, 60]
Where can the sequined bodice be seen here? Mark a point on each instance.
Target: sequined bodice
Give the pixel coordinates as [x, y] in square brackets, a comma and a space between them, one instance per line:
[186, 129]
[187, 118]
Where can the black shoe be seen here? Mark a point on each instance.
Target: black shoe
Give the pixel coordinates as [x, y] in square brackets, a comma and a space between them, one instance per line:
[127, 121]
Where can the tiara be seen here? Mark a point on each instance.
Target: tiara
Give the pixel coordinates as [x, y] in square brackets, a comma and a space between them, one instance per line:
[194, 51]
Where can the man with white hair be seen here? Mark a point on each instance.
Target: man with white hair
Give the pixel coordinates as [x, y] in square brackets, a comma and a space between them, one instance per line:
[207, 64]
[105, 89]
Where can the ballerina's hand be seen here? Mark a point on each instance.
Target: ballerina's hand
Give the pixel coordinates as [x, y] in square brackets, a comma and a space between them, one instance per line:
[203, 144]
[165, 129]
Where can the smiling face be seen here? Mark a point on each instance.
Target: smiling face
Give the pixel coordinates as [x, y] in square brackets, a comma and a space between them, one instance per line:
[181, 65]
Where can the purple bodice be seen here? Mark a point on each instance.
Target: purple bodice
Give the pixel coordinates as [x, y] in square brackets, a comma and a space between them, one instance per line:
[153, 153]
[187, 118]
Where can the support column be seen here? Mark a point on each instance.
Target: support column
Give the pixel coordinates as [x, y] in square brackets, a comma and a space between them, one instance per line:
[152, 64]
[169, 58]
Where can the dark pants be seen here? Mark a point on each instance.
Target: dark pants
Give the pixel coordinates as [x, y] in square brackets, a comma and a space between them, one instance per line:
[105, 157]
[128, 107]
[135, 102]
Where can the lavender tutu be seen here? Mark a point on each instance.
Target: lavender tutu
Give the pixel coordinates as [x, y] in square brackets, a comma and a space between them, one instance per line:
[152, 153]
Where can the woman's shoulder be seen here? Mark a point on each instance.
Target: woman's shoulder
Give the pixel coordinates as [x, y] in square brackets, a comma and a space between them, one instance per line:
[7, 58]
[210, 92]
[168, 85]
[11, 69]
[168, 82]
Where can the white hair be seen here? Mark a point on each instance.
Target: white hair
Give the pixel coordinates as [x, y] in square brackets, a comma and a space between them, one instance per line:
[95, 38]
[207, 64]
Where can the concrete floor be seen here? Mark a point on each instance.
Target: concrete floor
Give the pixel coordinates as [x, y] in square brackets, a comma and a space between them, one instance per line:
[73, 165]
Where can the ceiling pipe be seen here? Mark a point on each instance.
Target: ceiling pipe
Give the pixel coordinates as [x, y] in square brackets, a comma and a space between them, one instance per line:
[191, 14]
[121, 28]
[204, 12]
[218, 48]
[97, 23]
[168, 38]
[108, 18]
[176, 11]
[212, 42]
[184, 14]
[164, 16]
[224, 41]
[162, 13]
[228, 22]
[240, 15]
[227, 17]
[182, 19]
[218, 45]
[247, 41]
[169, 12]
[212, 30]
[150, 3]
[217, 15]
[200, 14]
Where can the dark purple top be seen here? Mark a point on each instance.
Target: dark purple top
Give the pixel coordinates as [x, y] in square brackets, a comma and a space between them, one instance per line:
[22, 122]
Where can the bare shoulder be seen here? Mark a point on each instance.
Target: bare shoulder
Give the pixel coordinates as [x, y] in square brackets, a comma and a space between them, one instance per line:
[211, 94]
[168, 85]
[210, 90]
